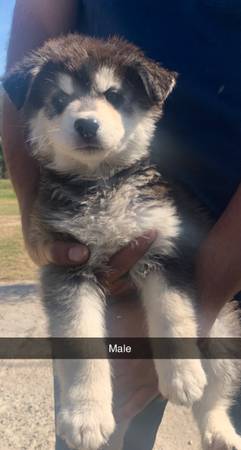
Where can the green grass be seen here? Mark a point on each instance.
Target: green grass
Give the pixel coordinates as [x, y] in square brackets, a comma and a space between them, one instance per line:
[5, 184]
[15, 265]
[6, 190]
[7, 194]
[8, 207]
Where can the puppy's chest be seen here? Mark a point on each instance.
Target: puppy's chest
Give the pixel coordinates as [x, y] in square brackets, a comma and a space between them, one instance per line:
[107, 216]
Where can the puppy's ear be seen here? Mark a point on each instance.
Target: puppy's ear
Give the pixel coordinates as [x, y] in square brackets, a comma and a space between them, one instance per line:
[17, 83]
[159, 82]
[155, 81]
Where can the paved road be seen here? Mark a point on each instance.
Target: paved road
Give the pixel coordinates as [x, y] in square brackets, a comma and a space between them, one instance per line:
[26, 387]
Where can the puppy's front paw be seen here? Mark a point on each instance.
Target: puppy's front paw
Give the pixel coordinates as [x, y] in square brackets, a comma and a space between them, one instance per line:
[219, 433]
[182, 381]
[221, 442]
[86, 428]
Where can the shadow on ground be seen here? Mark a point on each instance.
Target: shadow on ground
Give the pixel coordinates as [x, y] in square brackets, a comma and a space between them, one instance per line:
[13, 293]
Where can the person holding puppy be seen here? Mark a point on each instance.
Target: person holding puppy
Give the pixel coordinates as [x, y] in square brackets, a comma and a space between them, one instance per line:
[202, 155]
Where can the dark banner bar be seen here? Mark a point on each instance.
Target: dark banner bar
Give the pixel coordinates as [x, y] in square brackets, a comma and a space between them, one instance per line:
[120, 348]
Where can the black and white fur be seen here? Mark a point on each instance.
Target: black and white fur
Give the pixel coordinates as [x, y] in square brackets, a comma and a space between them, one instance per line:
[101, 190]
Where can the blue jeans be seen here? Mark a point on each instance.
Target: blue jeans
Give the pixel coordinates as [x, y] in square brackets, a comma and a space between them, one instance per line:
[142, 430]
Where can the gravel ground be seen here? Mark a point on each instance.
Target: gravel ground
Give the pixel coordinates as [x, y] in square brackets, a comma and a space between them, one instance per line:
[26, 387]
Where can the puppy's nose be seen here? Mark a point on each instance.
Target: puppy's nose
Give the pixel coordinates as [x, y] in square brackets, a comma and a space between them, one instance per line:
[86, 128]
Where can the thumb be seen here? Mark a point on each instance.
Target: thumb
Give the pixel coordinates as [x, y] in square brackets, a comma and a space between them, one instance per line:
[66, 253]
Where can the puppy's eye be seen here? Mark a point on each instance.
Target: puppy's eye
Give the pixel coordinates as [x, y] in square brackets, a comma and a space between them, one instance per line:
[60, 101]
[114, 97]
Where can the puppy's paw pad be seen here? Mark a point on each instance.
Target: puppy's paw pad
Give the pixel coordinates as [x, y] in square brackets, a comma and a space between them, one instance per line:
[186, 383]
[85, 430]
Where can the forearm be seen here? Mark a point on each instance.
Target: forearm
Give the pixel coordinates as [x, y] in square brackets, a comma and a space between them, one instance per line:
[22, 168]
[34, 22]
[219, 261]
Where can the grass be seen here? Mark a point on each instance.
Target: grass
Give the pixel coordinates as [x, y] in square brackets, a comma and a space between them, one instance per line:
[6, 188]
[15, 264]
[8, 208]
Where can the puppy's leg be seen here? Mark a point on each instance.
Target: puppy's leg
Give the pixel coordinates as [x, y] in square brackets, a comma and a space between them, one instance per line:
[170, 314]
[76, 309]
[212, 411]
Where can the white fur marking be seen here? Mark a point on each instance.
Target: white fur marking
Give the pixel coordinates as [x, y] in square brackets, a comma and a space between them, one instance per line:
[105, 79]
[171, 314]
[66, 83]
[85, 419]
[35, 71]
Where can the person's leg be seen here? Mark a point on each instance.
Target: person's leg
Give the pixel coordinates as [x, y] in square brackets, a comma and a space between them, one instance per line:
[141, 433]
[59, 444]
[236, 413]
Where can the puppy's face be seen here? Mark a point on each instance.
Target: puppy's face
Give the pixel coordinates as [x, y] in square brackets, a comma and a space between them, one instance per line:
[94, 102]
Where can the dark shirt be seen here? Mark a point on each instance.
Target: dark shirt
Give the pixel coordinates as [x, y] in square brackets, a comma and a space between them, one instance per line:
[199, 138]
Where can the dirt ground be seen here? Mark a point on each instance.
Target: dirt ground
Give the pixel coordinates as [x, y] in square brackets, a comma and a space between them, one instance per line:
[26, 387]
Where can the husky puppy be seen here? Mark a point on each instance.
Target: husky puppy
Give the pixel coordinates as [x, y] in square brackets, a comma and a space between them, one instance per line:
[91, 107]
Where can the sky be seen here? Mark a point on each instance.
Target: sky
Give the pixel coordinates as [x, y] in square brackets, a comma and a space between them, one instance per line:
[6, 11]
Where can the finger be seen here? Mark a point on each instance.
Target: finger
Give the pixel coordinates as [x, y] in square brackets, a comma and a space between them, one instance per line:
[127, 257]
[66, 253]
[122, 286]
